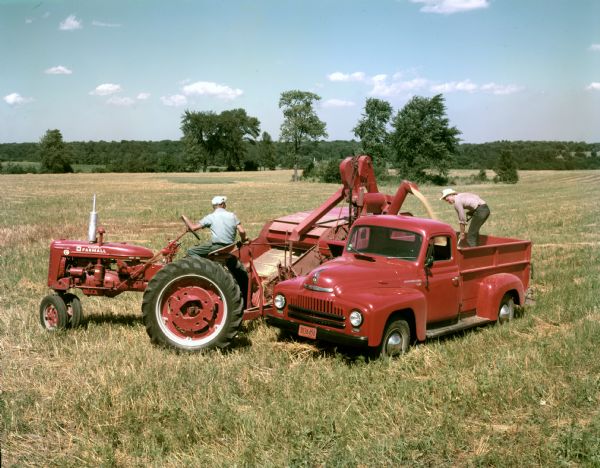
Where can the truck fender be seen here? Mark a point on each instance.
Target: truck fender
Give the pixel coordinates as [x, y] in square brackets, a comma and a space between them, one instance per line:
[491, 291]
[395, 304]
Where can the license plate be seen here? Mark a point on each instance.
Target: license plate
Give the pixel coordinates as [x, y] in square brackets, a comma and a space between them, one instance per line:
[307, 332]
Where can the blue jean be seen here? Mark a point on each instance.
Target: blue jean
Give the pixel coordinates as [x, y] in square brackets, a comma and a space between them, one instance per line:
[202, 250]
[480, 216]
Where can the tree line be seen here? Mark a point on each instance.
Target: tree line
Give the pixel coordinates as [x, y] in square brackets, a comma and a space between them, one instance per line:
[417, 141]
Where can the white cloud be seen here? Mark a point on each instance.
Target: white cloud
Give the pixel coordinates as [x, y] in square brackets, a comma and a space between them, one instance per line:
[339, 76]
[58, 70]
[395, 88]
[105, 25]
[175, 100]
[595, 48]
[28, 20]
[452, 86]
[15, 99]
[595, 86]
[143, 96]
[207, 88]
[501, 89]
[447, 7]
[120, 101]
[337, 103]
[106, 89]
[70, 23]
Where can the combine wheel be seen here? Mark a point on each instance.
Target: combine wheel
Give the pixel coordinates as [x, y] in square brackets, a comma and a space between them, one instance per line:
[396, 339]
[53, 313]
[506, 312]
[74, 310]
[192, 304]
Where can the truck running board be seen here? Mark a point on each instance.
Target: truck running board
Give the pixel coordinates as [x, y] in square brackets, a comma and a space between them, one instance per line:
[467, 322]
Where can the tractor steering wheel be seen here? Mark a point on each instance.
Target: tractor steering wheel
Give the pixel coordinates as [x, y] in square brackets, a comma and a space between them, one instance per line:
[189, 226]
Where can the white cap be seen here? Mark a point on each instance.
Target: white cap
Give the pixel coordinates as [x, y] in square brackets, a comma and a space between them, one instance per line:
[446, 192]
[219, 199]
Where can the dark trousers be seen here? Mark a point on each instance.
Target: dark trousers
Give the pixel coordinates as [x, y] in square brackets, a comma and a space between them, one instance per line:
[480, 216]
[202, 250]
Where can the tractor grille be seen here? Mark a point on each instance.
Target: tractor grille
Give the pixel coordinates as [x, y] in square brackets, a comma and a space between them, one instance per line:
[317, 311]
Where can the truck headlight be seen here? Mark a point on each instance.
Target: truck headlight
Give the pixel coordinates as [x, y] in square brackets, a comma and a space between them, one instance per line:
[356, 318]
[279, 301]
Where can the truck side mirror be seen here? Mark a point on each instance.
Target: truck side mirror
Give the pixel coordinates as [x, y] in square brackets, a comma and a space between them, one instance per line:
[429, 256]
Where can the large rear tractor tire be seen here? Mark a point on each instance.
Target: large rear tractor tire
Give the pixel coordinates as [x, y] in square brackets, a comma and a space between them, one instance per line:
[191, 305]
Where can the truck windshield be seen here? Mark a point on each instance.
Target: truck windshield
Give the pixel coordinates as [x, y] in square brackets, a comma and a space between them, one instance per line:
[389, 242]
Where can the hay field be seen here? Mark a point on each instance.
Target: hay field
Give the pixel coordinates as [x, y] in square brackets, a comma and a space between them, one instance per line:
[527, 394]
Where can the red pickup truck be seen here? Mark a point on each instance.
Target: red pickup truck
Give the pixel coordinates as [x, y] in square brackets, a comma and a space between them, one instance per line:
[401, 279]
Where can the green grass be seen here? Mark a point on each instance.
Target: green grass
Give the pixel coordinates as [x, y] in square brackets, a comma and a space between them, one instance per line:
[527, 394]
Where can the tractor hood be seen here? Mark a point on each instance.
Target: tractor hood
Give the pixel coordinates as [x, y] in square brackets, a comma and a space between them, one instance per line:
[350, 273]
[78, 248]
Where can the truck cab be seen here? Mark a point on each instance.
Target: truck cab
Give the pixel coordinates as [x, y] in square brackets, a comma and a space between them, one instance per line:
[401, 279]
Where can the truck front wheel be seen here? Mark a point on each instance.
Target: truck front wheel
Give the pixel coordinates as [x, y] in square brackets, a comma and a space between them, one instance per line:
[192, 304]
[396, 339]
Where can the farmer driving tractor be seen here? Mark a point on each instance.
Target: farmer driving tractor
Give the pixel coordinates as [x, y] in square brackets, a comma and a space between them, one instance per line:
[223, 224]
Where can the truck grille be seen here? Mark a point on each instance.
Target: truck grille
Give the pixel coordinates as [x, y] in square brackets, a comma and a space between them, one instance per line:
[317, 311]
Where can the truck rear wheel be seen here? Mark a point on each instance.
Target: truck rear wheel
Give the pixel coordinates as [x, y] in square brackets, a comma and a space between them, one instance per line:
[396, 339]
[506, 311]
[192, 304]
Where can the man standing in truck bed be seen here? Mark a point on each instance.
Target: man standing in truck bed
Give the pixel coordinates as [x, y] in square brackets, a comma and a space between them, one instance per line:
[223, 224]
[468, 204]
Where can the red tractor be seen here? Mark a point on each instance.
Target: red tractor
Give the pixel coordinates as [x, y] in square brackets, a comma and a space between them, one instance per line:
[196, 303]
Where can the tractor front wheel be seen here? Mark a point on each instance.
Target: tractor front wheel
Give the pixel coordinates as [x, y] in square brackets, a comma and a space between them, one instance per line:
[74, 310]
[192, 304]
[53, 313]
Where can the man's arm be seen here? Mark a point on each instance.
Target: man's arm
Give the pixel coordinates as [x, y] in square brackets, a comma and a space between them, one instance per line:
[194, 226]
[462, 220]
[242, 231]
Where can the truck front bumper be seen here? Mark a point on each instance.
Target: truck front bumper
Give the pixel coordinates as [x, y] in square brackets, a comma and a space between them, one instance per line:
[325, 335]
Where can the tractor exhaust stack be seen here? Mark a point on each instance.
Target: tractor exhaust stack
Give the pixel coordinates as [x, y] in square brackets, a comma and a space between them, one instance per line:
[93, 222]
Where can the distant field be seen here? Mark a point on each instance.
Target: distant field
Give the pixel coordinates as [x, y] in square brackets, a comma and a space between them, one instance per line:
[527, 394]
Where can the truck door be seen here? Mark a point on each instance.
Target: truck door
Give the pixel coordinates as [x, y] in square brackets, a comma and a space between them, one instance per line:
[443, 280]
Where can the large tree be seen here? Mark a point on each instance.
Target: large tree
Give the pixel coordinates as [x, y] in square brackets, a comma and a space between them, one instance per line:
[53, 153]
[267, 155]
[201, 138]
[300, 122]
[212, 138]
[236, 127]
[423, 138]
[372, 129]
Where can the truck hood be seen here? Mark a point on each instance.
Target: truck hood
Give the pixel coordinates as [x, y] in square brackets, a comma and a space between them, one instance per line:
[349, 273]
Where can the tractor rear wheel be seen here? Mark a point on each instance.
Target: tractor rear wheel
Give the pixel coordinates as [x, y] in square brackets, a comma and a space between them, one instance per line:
[192, 304]
[53, 313]
[74, 310]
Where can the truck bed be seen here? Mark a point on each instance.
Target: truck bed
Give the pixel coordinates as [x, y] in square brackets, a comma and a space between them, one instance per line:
[494, 255]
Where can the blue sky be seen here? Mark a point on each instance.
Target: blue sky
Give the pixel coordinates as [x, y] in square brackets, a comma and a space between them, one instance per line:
[121, 69]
